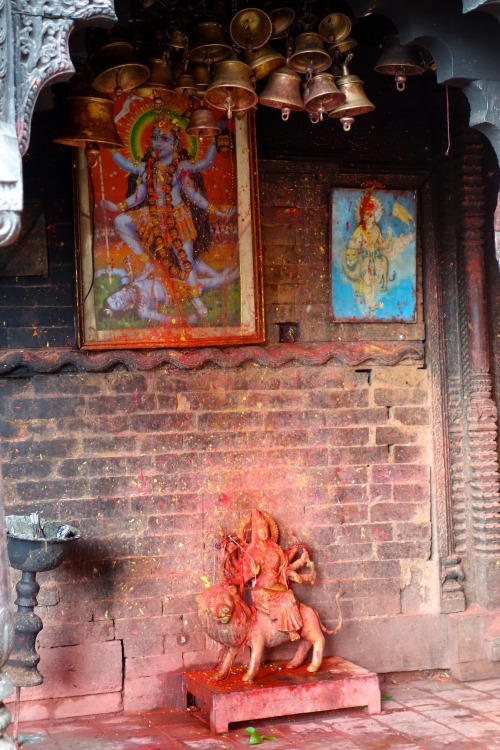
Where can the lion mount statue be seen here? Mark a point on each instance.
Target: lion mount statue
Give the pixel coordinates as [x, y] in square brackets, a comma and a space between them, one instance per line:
[273, 616]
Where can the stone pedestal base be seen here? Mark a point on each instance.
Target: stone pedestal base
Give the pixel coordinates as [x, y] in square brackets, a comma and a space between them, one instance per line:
[278, 691]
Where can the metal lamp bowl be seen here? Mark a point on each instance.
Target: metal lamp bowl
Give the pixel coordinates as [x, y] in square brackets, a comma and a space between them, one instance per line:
[28, 553]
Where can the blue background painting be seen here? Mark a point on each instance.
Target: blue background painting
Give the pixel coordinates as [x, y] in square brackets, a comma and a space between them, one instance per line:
[398, 302]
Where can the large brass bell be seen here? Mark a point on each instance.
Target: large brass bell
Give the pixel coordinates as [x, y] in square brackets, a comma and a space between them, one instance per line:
[208, 44]
[250, 28]
[321, 95]
[232, 89]
[283, 92]
[116, 69]
[263, 61]
[356, 102]
[309, 56]
[161, 75]
[399, 61]
[336, 48]
[202, 123]
[90, 123]
[335, 28]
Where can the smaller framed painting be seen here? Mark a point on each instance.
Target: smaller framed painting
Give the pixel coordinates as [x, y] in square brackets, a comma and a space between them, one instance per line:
[373, 255]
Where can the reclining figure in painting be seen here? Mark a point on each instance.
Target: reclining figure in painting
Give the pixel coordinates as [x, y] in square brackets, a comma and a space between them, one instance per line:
[274, 615]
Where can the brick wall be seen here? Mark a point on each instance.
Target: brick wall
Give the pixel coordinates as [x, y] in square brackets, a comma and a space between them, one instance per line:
[151, 467]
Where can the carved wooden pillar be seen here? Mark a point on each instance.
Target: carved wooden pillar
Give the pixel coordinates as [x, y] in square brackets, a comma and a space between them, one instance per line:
[481, 412]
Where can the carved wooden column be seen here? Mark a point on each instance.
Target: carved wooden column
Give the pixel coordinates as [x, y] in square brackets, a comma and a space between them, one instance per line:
[480, 411]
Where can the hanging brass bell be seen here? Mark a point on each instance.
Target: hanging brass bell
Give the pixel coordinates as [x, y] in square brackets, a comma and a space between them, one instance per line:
[250, 28]
[201, 75]
[321, 95]
[263, 61]
[281, 19]
[202, 123]
[232, 88]
[356, 102]
[90, 122]
[340, 48]
[161, 76]
[283, 92]
[335, 28]
[116, 70]
[176, 39]
[208, 44]
[309, 56]
[185, 84]
[399, 61]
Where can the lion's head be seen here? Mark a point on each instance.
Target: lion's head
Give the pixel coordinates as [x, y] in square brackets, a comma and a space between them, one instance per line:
[223, 614]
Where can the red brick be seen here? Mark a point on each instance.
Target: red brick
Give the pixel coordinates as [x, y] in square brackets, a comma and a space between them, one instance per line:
[80, 670]
[151, 666]
[345, 417]
[341, 436]
[399, 512]
[380, 492]
[350, 495]
[146, 644]
[400, 396]
[392, 435]
[376, 606]
[366, 455]
[411, 454]
[399, 473]
[403, 550]
[412, 531]
[411, 493]
[410, 415]
[362, 533]
[339, 399]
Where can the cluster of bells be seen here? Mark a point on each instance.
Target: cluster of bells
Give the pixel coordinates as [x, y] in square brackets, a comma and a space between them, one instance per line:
[231, 89]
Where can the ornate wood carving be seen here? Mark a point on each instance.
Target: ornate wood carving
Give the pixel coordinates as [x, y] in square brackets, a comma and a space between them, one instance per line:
[33, 53]
[353, 354]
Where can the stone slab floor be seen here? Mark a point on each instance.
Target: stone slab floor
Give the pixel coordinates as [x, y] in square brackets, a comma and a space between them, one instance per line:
[432, 712]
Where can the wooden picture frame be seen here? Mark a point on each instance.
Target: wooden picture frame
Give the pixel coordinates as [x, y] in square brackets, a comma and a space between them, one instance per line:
[373, 254]
[169, 251]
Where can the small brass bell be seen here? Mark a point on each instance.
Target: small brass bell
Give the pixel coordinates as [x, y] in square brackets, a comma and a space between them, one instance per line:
[176, 39]
[309, 56]
[90, 123]
[232, 89]
[161, 76]
[321, 95]
[335, 28]
[185, 84]
[283, 92]
[116, 69]
[356, 102]
[281, 19]
[202, 123]
[263, 61]
[201, 75]
[250, 28]
[208, 44]
[399, 61]
[346, 45]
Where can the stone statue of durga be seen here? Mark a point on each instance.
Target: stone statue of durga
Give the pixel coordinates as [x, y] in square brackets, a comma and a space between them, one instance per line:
[255, 606]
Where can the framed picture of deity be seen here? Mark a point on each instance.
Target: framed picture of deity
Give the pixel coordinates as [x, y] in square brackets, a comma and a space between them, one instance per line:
[373, 254]
[169, 242]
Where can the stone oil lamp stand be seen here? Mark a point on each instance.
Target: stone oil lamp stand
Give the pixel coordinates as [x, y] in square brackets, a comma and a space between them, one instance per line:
[33, 545]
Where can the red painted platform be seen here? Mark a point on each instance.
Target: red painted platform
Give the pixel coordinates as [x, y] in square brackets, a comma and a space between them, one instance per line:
[278, 691]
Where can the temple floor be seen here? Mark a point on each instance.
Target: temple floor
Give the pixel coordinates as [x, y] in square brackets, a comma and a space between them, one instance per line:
[428, 713]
